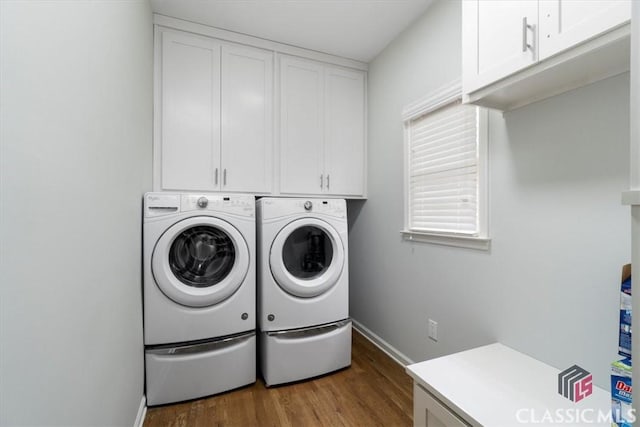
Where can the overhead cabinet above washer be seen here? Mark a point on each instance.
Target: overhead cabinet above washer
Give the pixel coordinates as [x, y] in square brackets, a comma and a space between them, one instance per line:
[214, 124]
[322, 129]
[235, 113]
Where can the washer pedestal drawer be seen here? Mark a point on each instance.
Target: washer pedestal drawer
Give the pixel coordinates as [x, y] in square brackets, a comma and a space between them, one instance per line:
[297, 354]
[190, 371]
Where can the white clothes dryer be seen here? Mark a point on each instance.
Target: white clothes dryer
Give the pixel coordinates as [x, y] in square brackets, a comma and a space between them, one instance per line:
[303, 288]
[199, 294]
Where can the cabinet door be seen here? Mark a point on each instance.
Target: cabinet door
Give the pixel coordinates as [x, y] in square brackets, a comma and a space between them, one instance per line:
[190, 130]
[247, 115]
[301, 126]
[428, 412]
[344, 114]
[566, 23]
[498, 38]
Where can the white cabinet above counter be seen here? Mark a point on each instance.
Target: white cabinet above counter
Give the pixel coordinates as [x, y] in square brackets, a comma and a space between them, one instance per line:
[238, 114]
[518, 52]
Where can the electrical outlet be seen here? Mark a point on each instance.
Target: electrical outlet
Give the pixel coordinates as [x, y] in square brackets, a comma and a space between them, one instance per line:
[433, 330]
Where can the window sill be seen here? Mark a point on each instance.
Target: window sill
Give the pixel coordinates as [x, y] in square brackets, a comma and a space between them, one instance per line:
[469, 242]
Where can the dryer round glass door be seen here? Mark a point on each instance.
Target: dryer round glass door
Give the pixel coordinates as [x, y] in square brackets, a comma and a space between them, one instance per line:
[200, 261]
[307, 257]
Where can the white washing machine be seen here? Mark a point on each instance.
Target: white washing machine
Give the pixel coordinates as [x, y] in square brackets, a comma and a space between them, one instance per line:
[199, 294]
[303, 288]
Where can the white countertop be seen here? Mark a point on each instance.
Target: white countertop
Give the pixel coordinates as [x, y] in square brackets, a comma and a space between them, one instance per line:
[497, 386]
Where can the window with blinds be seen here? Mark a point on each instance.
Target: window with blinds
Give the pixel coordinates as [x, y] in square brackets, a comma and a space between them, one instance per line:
[443, 171]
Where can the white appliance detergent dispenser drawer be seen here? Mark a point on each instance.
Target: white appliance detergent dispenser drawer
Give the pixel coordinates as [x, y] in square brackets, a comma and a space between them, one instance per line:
[191, 371]
[298, 354]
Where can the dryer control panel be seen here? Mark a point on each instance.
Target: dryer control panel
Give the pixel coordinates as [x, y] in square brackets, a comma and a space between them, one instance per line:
[277, 207]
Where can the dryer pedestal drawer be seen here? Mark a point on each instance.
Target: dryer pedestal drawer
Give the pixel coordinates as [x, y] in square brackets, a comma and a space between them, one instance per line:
[192, 371]
[298, 354]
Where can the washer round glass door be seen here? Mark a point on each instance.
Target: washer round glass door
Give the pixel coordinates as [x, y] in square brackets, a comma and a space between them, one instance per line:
[200, 261]
[307, 257]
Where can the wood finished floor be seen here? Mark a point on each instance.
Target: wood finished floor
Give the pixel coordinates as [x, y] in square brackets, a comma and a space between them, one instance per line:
[374, 391]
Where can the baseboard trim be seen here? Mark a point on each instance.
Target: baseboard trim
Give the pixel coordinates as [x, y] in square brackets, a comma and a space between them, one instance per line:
[142, 412]
[387, 348]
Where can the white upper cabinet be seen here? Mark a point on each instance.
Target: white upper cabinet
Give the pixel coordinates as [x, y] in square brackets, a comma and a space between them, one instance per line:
[344, 131]
[216, 102]
[301, 126]
[322, 129]
[566, 23]
[519, 51]
[189, 152]
[228, 118]
[499, 38]
[247, 109]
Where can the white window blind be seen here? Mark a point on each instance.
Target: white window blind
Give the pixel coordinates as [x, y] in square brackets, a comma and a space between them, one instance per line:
[443, 181]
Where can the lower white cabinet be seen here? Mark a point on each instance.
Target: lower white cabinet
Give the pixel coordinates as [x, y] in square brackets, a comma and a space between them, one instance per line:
[429, 412]
[322, 129]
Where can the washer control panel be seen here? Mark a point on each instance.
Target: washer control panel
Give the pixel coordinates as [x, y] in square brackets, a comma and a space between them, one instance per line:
[161, 204]
[237, 204]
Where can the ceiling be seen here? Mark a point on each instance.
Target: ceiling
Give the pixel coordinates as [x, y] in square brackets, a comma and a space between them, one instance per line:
[356, 29]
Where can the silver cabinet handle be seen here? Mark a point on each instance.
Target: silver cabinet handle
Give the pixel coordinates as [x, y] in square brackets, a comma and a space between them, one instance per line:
[216, 182]
[525, 27]
[321, 181]
[328, 181]
[224, 177]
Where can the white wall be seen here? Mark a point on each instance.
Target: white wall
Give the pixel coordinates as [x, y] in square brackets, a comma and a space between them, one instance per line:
[75, 160]
[548, 287]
